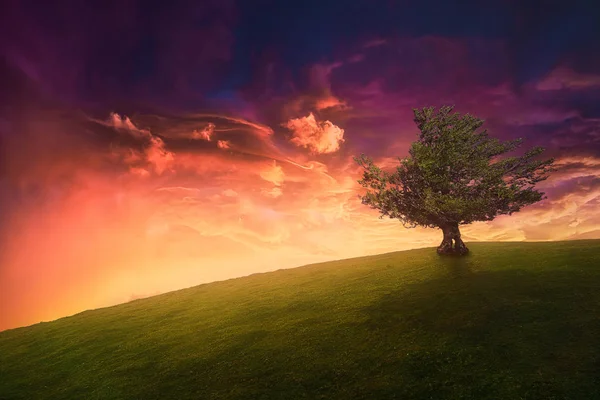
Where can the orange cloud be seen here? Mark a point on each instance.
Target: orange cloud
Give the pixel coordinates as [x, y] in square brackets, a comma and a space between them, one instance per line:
[156, 154]
[329, 101]
[223, 144]
[260, 129]
[205, 133]
[230, 193]
[153, 153]
[273, 173]
[218, 215]
[319, 137]
[273, 192]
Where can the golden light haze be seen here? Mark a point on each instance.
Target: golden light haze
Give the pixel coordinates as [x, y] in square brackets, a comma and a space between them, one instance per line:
[165, 208]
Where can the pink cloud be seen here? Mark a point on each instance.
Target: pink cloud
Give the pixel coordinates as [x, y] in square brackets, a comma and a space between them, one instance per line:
[566, 78]
[119, 122]
[319, 137]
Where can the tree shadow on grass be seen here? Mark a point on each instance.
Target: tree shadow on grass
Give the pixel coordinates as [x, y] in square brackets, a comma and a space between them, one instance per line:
[483, 334]
[458, 266]
[472, 334]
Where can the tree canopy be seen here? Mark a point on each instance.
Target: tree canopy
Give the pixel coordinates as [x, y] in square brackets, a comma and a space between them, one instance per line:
[453, 174]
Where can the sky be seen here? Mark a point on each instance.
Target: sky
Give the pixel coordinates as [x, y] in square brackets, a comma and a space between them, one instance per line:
[148, 146]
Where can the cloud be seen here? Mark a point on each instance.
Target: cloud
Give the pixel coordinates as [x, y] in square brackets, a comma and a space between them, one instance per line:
[573, 193]
[150, 202]
[566, 78]
[256, 128]
[140, 172]
[223, 144]
[273, 173]
[205, 133]
[156, 154]
[375, 43]
[152, 154]
[320, 137]
[323, 98]
[230, 193]
[82, 37]
[273, 192]
[235, 134]
[180, 190]
[328, 102]
[539, 115]
[118, 122]
[317, 96]
[569, 167]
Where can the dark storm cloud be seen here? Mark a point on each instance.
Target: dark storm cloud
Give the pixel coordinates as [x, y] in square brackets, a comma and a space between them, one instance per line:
[118, 52]
[181, 54]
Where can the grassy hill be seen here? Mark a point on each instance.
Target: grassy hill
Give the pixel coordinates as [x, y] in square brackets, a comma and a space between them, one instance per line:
[510, 321]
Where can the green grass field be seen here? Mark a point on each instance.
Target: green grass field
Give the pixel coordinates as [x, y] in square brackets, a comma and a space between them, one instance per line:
[509, 321]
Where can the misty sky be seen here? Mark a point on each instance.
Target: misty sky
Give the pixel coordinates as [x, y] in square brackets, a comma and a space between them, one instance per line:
[147, 146]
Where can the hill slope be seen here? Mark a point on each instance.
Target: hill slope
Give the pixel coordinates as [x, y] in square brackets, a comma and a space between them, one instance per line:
[512, 320]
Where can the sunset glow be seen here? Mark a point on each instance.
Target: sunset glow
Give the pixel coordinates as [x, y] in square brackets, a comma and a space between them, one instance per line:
[124, 178]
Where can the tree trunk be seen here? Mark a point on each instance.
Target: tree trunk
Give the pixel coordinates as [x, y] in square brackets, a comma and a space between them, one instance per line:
[452, 233]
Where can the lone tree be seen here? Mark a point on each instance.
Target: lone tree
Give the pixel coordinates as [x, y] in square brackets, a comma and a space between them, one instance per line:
[453, 177]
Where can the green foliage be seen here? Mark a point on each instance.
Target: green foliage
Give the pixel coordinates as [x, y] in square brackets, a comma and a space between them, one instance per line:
[453, 174]
[509, 321]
